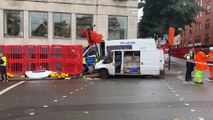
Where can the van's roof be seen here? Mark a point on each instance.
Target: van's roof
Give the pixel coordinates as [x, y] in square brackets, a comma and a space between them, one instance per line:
[148, 43]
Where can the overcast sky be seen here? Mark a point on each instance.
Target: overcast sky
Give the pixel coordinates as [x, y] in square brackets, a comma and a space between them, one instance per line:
[140, 13]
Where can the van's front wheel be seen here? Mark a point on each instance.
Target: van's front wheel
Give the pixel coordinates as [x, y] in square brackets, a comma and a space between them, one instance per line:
[104, 74]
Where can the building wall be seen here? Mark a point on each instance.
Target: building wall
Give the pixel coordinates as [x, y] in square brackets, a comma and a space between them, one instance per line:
[188, 39]
[100, 9]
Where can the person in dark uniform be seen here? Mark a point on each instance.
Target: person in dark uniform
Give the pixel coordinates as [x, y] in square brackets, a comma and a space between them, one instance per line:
[189, 66]
[3, 65]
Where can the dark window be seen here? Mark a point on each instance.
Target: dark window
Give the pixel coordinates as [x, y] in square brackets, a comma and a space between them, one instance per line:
[83, 21]
[190, 30]
[207, 24]
[197, 39]
[13, 23]
[208, 9]
[117, 27]
[207, 1]
[198, 26]
[118, 47]
[206, 38]
[62, 25]
[38, 24]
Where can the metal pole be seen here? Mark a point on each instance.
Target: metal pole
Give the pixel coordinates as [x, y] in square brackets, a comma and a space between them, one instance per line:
[169, 56]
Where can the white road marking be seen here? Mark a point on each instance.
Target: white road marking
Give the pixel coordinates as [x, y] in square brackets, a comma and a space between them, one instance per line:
[76, 90]
[55, 100]
[171, 88]
[11, 87]
[187, 104]
[200, 118]
[181, 77]
[192, 110]
[64, 96]
[180, 98]
[85, 85]
[86, 112]
[177, 95]
[32, 114]
[45, 106]
[82, 88]
[71, 92]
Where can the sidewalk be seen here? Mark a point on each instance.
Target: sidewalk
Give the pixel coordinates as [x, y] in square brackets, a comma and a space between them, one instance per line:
[174, 64]
[178, 67]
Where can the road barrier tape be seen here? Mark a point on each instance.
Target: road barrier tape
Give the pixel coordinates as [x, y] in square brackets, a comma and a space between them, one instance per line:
[206, 63]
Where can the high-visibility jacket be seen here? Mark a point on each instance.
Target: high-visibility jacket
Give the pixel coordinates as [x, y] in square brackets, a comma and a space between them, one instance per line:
[200, 61]
[189, 55]
[4, 61]
[210, 58]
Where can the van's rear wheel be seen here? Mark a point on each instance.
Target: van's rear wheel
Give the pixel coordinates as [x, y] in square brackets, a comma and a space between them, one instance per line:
[104, 74]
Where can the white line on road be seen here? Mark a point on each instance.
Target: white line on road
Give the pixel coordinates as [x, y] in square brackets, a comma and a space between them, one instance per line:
[181, 77]
[180, 99]
[45, 106]
[201, 118]
[11, 87]
[192, 110]
[187, 104]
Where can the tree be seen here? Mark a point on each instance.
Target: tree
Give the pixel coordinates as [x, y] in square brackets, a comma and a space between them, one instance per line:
[159, 15]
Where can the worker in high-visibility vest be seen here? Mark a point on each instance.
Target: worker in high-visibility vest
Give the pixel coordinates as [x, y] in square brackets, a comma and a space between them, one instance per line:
[210, 61]
[201, 65]
[3, 65]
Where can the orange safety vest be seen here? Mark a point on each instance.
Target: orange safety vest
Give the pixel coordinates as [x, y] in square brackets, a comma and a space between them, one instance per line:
[210, 58]
[200, 61]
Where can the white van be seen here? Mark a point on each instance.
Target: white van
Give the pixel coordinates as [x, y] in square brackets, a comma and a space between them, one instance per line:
[132, 62]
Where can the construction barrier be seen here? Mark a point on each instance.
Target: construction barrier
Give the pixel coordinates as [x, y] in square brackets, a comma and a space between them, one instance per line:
[57, 58]
[180, 52]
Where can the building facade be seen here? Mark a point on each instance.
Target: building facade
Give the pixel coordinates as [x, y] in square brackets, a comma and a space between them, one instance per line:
[47, 22]
[200, 34]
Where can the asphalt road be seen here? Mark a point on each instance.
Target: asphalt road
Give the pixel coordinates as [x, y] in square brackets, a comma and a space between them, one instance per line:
[118, 98]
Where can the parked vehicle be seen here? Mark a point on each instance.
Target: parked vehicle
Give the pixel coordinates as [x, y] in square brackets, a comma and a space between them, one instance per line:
[130, 57]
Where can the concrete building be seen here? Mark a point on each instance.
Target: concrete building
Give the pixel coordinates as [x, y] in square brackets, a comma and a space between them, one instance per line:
[200, 34]
[47, 22]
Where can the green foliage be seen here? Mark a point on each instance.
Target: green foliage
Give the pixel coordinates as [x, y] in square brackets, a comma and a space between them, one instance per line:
[159, 15]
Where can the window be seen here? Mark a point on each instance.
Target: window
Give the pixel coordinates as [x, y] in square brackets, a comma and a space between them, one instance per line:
[197, 39]
[206, 38]
[117, 27]
[190, 30]
[118, 47]
[207, 1]
[38, 24]
[13, 23]
[83, 21]
[207, 24]
[198, 26]
[208, 7]
[62, 25]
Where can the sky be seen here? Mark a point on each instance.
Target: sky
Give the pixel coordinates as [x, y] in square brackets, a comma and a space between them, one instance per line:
[140, 13]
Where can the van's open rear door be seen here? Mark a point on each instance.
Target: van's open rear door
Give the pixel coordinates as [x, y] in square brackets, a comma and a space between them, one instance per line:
[150, 62]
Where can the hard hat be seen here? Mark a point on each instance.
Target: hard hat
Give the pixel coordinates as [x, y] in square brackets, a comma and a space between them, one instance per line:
[211, 48]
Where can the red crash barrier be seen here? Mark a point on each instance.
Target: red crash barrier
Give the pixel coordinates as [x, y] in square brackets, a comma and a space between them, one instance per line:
[180, 52]
[44, 52]
[30, 52]
[57, 58]
[2, 48]
[14, 52]
[58, 51]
